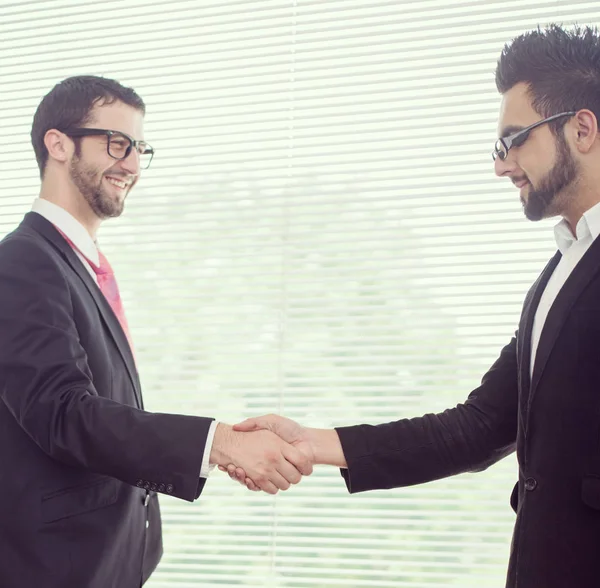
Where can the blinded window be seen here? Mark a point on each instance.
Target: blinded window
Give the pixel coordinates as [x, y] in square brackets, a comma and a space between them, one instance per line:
[320, 234]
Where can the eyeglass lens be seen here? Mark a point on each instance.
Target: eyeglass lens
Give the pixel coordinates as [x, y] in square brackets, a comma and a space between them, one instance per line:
[119, 147]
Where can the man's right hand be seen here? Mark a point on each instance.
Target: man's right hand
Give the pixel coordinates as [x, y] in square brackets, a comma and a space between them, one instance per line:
[268, 460]
[320, 446]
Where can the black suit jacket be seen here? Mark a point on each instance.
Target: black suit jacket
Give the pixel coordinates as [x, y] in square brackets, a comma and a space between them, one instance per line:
[552, 419]
[81, 462]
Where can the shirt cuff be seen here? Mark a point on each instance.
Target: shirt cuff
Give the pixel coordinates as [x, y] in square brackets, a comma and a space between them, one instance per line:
[206, 467]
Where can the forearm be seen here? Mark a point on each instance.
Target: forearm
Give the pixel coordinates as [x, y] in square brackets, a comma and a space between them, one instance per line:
[469, 437]
[327, 447]
[103, 436]
[67, 388]
[419, 450]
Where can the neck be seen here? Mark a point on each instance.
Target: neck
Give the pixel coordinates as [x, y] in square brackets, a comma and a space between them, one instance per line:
[574, 217]
[579, 197]
[68, 197]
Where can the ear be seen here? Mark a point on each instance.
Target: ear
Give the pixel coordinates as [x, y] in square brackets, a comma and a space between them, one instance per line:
[585, 130]
[59, 146]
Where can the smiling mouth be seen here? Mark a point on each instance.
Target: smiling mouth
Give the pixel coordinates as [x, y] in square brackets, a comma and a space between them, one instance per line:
[521, 183]
[117, 183]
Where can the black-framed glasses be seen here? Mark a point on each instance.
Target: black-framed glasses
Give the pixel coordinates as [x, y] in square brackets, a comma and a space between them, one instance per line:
[118, 144]
[503, 145]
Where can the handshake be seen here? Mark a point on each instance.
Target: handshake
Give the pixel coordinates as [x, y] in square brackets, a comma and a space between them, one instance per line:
[270, 453]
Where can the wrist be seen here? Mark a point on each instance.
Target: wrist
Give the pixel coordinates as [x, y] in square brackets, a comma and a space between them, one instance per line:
[326, 447]
[220, 453]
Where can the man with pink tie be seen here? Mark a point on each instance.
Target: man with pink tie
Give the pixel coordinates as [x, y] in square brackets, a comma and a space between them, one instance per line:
[81, 461]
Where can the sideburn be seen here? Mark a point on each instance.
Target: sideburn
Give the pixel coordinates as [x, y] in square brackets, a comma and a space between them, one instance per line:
[564, 172]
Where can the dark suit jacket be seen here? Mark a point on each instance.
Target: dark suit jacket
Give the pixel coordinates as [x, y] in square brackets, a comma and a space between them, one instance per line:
[552, 419]
[81, 462]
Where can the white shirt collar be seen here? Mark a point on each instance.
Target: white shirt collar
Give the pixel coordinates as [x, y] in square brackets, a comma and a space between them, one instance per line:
[70, 226]
[588, 225]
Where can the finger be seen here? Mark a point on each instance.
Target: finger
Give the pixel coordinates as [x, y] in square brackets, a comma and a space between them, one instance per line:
[247, 425]
[297, 459]
[279, 479]
[268, 422]
[272, 478]
[268, 487]
[234, 473]
[251, 485]
[289, 472]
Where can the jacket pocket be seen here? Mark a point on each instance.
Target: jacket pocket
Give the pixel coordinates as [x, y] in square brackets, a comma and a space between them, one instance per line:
[590, 491]
[80, 499]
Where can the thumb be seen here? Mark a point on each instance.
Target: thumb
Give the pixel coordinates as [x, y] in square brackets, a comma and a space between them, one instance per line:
[248, 425]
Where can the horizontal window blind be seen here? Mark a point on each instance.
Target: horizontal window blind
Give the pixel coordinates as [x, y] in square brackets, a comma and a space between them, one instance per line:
[320, 234]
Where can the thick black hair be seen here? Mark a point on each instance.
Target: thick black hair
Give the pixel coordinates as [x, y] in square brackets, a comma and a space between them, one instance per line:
[560, 66]
[69, 104]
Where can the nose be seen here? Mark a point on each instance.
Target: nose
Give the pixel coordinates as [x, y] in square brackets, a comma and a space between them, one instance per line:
[131, 163]
[504, 167]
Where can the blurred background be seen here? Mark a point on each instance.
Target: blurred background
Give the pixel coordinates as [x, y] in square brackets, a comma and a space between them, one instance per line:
[320, 234]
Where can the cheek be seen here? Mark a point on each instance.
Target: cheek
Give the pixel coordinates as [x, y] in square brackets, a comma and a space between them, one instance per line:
[93, 165]
[109, 168]
[528, 165]
[517, 165]
[91, 171]
[538, 158]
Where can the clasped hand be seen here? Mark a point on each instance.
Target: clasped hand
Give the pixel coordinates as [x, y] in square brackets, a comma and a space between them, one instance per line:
[286, 438]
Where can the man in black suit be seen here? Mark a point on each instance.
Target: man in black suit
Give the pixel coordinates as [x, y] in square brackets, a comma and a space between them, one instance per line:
[81, 461]
[542, 396]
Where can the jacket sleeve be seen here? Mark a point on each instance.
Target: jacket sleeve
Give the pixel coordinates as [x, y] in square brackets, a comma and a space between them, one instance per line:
[46, 384]
[467, 438]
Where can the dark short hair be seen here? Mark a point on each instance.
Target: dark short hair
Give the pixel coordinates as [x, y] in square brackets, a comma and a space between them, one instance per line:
[561, 68]
[69, 104]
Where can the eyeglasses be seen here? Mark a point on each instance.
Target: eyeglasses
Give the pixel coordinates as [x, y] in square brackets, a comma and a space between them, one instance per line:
[503, 145]
[118, 144]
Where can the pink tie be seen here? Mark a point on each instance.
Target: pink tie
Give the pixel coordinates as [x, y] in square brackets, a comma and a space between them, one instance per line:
[108, 286]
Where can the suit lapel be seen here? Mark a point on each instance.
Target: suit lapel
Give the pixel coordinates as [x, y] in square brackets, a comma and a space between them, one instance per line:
[530, 305]
[45, 228]
[578, 280]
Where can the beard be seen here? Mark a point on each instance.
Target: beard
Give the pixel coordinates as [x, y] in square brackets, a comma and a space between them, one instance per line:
[543, 201]
[88, 181]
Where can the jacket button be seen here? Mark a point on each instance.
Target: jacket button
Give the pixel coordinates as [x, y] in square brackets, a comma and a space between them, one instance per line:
[161, 488]
[153, 486]
[146, 485]
[140, 483]
[169, 488]
[530, 484]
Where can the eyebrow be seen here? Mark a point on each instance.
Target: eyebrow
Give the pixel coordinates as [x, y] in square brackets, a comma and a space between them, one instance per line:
[510, 129]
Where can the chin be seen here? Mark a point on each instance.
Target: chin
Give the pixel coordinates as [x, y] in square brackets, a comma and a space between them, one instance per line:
[534, 215]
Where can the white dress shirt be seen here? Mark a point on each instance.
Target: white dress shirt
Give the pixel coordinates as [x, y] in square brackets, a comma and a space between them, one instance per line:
[572, 248]
[84, 243]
